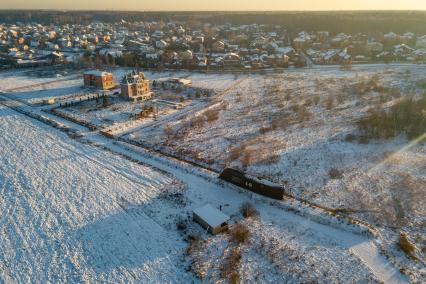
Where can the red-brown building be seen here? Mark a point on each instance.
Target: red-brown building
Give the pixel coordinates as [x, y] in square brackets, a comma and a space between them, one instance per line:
[99, 79]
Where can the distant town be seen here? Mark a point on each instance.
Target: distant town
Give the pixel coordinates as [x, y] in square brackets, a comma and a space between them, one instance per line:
[199, 46]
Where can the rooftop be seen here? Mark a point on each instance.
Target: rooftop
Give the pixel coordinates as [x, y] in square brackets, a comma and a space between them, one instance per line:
[97, 73]
[211, 215]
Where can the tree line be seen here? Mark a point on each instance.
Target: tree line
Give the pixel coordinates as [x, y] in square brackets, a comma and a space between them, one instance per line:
[348, 22]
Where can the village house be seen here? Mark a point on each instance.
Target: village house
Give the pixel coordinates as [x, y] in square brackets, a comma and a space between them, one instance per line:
[99, 79]
[212, 219]
[218, 46]
[421, 42]
[174, 83]
[190, 46]
[231, 59]
[135, 87]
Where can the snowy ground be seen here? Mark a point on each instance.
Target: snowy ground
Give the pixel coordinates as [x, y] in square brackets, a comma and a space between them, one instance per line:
[74, 213]
[62, 212]
[33, 87]
[94, 216]
[293, 128]
[121, 114]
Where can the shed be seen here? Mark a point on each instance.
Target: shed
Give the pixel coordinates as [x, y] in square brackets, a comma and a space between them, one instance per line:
[211, 218]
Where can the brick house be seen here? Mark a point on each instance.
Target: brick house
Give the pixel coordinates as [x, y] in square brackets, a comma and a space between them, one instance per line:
[98, 79]
[135, 87]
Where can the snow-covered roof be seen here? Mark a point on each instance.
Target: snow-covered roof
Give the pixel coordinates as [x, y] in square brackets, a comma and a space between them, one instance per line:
[232, 56]
[180, 81]
[211, 215]
[284, 50]
[97, 73]
[390, 35]
[132, 78]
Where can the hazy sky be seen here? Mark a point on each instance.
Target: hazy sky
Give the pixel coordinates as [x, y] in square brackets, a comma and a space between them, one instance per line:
[222, 5]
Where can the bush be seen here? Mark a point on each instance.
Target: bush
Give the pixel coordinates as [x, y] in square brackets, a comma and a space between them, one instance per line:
[181, 225]
[340, 99]
[405, 245]
[288, 97]
[407, 116]
[212, 115]
[230, 268]
[168, 130]
[194, 244]
[240, 233]
[248, 210]
[349, 138]
[264, 130]
[363, 140]
[329, 103]
[281, 122]
[335, 174]
[303, 114]
[316, 100]
[247, 157]
[105, 102]
[235, 153]
[234, 278]
[308, 103]
[294, 108]
[197, 121]
[422, 84]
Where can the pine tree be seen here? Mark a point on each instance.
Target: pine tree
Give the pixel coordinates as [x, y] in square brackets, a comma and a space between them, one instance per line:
[105, 102]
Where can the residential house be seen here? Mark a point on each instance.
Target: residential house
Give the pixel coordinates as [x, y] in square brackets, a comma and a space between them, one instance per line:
[211, 218]
[135, 87]
[99, 79]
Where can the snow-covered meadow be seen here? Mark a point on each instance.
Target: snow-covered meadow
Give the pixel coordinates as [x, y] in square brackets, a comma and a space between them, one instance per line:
[65, 217]
[299, 129]
[72, 212]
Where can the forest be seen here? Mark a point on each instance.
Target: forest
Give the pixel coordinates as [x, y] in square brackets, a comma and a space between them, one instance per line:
[334, 22]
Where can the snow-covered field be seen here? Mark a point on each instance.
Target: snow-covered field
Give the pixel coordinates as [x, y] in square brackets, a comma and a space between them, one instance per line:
[122, 114]
[74, 212]
[14, 79]
[292, 128]
[299, 129]
[29, 87]
[64, 216]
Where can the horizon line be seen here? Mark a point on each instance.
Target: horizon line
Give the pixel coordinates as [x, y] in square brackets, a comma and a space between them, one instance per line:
[217, 11]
